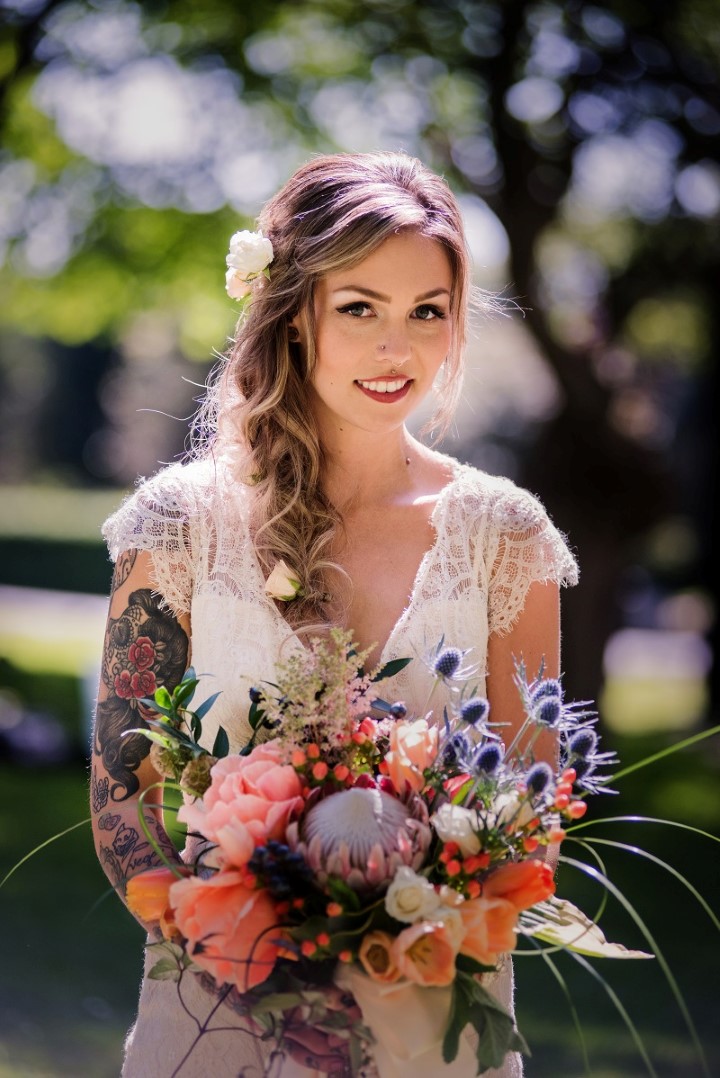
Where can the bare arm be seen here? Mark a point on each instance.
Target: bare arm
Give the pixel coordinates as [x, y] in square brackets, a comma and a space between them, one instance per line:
[534, 638]
[145, 646]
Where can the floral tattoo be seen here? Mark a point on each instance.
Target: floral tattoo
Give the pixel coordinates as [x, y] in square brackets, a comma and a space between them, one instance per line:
[144, 648]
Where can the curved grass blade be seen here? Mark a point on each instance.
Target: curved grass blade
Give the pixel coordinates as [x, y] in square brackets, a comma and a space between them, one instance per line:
[543, 952]
[642, 819]
[670, 751]
[42, 846]
[600, 878]
[165, 784]
[619, 1006]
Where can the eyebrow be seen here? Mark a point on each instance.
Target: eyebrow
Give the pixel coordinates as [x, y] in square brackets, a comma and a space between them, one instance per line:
[386, 299]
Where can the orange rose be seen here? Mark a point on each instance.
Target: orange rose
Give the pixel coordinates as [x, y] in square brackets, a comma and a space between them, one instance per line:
[147, 893]
[232, 925]
[523, 883]
[413, 747]
[425, 953]
[489, 929]
[375, 956]
[250, 800]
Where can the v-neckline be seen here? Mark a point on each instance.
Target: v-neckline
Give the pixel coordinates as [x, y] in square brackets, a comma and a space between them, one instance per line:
[434, 521]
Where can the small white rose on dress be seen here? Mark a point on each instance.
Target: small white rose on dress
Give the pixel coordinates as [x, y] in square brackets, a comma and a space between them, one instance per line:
[453, 823]
[283, 583]
[410, 897]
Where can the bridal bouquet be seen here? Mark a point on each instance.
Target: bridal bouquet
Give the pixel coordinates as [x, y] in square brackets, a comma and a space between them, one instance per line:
[355, 850]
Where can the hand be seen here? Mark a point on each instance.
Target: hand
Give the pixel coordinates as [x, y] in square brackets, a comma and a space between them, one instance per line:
[321, 1049]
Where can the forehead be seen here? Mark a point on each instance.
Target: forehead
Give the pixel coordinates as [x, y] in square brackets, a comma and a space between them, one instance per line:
[406, 262]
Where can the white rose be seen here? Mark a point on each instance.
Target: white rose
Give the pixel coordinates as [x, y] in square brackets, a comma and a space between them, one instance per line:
[410, 897]
[453, 823]
[235, 286]
[282, 583]
[509, 810]
[250, 253]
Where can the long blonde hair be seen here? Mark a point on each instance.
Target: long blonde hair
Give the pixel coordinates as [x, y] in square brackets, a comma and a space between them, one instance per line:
[332, 213]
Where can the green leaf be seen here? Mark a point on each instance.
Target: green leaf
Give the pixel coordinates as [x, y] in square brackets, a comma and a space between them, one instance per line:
[390, 669]
[166, 969]
[152, 703]
[163, 700]
[221, 744]
[184, 692]
[159, 739]
[206, 705]
[196, 727]
[457, 1020]
[343, 894]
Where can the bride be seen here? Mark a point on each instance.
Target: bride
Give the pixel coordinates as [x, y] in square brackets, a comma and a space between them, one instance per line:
[361, 314]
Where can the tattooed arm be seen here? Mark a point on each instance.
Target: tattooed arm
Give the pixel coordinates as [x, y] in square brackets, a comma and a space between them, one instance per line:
[145, 646]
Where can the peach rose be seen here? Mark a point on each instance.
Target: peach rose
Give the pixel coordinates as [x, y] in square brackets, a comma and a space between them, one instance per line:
[489, 929]
[425, 953]
[413, 747]
[250, 800]
[228, 928]
[375, 956]
[523, 883]
[147, 893]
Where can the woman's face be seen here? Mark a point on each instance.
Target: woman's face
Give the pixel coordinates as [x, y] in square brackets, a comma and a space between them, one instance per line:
[383, 328]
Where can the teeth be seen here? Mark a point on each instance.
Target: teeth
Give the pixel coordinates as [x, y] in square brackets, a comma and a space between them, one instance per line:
[384, 386]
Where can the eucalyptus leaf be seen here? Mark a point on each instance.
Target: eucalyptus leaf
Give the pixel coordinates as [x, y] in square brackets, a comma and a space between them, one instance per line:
[221, 744]
[205, 706]
[390, 669]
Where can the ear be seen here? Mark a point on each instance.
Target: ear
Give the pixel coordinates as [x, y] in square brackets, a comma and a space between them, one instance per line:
[294, 330]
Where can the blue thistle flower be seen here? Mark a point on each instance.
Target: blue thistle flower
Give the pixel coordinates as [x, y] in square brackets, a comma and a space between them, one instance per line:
[583, 768]
[475, 710]
[255, 695]
[583, 743]
[398, 710]
[447, 662]
[456, 750]
[550, 687]
[488, 758]
[548, 710]
[539, 778]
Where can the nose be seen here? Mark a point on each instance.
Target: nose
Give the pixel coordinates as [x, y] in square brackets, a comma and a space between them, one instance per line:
[394, 348]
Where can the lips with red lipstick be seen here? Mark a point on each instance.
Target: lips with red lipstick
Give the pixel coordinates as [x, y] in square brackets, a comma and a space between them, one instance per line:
[386, 390]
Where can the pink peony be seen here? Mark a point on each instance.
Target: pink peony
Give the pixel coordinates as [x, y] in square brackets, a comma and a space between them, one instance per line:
[228, 928]
[249, 801]
[413, 747]
[425, 953]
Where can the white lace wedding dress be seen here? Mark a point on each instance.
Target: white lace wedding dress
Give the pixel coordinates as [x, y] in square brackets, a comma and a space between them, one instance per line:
[492, 541]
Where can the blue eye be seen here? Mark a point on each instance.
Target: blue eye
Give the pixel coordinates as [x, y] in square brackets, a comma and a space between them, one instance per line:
[427, 313]
[357, 310]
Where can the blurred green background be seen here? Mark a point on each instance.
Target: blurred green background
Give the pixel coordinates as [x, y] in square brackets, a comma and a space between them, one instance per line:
[582, 141]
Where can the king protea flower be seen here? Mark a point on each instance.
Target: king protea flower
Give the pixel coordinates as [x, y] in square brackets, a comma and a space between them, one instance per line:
[363, 835]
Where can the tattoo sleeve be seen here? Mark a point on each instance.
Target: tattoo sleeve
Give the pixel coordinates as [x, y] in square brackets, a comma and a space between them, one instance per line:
[123, 848]
[144, 648]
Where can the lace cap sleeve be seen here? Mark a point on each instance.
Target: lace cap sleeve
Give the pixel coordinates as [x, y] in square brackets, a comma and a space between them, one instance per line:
[522, 546]
[161, 517]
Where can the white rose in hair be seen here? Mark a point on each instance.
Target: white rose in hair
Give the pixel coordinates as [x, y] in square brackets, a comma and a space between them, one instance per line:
[410, 897]
[250, 253]
[453, 823]
[283, 583]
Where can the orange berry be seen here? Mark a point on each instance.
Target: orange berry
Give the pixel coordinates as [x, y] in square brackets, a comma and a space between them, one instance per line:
[281, 908]
[576, 809]
[298, 903]
[530, 843]
[346, 956]
[473, 888]
[322, 939]
[333, 909]
[313, 752]
[359, 737]
[298, 758]
[320, 770]
[564, 788]
[562, 801]
[453, 868]
[308, 948]
[452, 848]
[341, 772]
[556, 835]
[368, 726]
[569, 775]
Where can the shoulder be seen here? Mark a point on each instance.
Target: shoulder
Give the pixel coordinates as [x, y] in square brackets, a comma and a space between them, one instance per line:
[170, 504]
[494, 500]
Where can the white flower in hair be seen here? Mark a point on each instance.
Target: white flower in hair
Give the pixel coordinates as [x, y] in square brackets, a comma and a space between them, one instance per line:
[283, 583]
[249, 256]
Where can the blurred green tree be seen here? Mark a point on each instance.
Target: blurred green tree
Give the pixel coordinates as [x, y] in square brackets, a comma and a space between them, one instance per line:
[136, 135]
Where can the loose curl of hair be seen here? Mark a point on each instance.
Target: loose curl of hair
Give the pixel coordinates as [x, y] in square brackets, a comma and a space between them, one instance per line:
[331, 214]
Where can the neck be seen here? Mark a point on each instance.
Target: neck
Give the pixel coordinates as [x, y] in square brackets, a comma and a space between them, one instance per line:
[365, 469]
